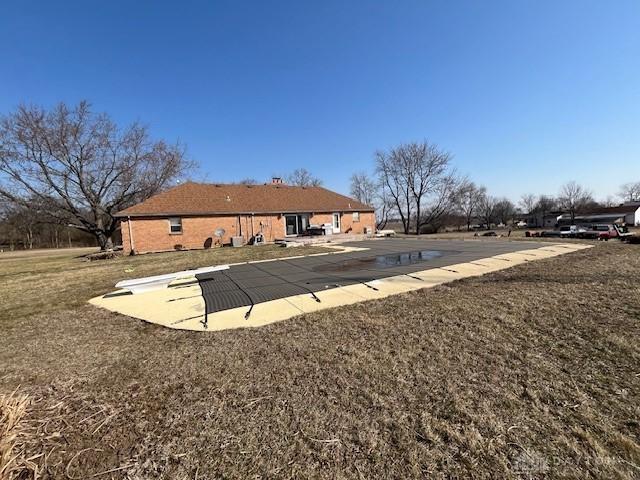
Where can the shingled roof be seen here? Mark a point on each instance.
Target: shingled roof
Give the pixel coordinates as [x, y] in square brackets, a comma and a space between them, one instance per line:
[228, 199]
[622, 209]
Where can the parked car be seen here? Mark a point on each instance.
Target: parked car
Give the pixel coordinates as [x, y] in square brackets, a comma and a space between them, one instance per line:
[605, 232]
[565, 231]
[521, 224]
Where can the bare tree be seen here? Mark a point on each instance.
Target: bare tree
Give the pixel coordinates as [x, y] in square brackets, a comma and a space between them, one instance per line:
[574, 198]
[395, 185]
[384, 206]
[504, 210]
[468, 199]
[20, 225]
[528, 203]
[301, 177]
[419, 180]
[630, 192]
[545, 205]
[431, 182]
[80, 166]
[363, 188]
[440, 203]
[370, 192]
[609, 201]
[248, 181]
[487, 210]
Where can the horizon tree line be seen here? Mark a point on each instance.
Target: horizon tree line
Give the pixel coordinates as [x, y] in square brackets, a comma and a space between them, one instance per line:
[69, 167]
[416, 185]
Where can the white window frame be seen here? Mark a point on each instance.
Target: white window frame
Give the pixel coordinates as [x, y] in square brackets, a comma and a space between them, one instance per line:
[356, 217]
[175, 222]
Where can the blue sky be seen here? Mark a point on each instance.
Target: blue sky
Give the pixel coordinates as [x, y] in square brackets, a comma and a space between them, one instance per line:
[526, 94]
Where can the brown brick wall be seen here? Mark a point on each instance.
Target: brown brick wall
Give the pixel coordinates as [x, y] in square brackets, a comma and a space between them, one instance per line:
[153, 234]
[347, 225]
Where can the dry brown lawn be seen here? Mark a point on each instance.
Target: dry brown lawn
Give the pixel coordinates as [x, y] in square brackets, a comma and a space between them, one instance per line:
[531, 372]
[65, 279]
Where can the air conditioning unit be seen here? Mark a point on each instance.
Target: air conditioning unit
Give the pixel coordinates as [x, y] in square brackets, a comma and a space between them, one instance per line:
[237, 241]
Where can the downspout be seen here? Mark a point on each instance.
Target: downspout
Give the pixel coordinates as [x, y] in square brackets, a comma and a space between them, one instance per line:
[130, 234]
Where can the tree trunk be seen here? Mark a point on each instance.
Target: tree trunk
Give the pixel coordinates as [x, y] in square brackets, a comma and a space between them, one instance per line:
[104, 241]
[408, 225]
[405, 223]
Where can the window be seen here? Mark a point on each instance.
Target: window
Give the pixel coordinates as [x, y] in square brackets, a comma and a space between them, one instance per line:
[356, 217]
[175, 225]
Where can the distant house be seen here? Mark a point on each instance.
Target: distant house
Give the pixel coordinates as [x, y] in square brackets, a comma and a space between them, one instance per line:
[627, 213]
[549, 220]
[197, 215]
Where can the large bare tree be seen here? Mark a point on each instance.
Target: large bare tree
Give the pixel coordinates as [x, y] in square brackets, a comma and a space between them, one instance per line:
[80, 167]
[393, 177]
[301, 177]
[573, 198]
[419, 180]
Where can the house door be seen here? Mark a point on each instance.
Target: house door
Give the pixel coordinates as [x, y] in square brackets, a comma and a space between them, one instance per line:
[336, 223]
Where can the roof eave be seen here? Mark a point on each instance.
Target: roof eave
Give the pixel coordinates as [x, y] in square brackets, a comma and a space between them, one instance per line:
[125, 214]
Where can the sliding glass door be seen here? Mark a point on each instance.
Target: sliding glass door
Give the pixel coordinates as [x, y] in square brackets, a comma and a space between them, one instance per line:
[296, 224]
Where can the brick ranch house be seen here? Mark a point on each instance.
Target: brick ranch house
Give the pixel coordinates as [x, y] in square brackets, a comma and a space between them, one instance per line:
[192, 215]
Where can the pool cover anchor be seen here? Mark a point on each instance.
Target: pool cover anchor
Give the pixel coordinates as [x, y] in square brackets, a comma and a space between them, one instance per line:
[205, 320]
[369, 286]
[414, 277]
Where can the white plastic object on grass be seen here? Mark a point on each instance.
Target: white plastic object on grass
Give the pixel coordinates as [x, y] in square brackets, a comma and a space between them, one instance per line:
[157, 282]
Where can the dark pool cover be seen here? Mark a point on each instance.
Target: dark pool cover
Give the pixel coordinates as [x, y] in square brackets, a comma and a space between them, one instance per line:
[250, 284]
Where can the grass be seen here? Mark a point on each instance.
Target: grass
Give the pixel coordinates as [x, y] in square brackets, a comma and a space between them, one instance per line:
[13, 462]
[536, 374]
[65, 279]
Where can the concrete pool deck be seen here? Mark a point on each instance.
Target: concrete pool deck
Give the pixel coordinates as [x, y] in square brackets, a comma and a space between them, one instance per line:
[259, 293]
